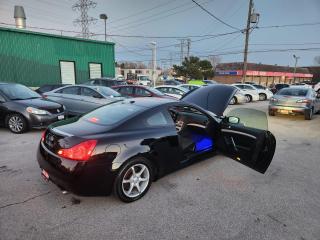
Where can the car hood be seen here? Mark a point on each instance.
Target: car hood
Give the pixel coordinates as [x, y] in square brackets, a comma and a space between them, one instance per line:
[39, 103]
[214, 98]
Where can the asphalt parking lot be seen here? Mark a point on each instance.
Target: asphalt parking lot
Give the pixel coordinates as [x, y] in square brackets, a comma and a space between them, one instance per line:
[213, 199]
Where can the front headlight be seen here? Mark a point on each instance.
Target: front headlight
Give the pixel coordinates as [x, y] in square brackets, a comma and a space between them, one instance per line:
[36, 111]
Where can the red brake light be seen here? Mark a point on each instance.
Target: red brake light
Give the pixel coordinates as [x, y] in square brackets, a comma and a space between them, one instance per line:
[79, 152]
[43, 135]
[273, 99]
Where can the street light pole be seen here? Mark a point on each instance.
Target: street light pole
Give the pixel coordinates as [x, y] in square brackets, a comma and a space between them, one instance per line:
[104, 17]
[154, 62]
[245, 57]
[295, 67]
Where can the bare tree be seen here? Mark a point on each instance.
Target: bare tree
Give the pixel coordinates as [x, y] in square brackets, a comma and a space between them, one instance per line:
[214, 60]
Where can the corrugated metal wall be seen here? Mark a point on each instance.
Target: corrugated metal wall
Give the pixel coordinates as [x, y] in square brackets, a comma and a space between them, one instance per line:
[33, 58]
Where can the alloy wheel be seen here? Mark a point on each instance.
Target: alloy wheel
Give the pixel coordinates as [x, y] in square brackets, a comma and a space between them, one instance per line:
[15, 124]
[136, 180]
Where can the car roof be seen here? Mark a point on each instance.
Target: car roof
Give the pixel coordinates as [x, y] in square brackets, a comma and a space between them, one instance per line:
[150, 102]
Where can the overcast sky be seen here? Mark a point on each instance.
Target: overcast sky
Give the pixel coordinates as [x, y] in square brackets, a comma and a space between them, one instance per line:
[184, 18]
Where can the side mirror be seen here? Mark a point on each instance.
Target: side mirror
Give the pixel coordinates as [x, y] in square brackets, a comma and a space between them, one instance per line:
[233, 120]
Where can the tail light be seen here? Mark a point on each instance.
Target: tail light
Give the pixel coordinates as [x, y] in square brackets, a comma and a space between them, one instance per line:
[79, 152]
[273, 99]
[304, 101]
[44, 96]
[43, 135]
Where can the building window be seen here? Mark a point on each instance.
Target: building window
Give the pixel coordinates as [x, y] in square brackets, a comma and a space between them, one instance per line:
[67, 72]
[95, 70]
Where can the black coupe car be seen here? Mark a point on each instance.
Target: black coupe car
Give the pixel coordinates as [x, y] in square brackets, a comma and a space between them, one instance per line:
[124, 146]
[22, 109]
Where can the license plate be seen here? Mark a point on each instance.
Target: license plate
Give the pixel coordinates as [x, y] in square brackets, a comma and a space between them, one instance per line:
[60, 117]
[284, 111]
[45, 175]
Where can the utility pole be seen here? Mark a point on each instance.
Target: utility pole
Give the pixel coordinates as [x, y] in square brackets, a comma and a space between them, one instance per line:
[154, 62]
[245, 57]
[295, 67]
[104, 17]
[84, 21]
[188, 47]
[181, 50]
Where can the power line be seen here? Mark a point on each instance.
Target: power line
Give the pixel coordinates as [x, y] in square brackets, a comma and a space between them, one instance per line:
[212, 15]
[291, 25]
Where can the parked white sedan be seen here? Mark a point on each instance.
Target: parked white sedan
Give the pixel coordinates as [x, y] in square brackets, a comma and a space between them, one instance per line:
[174, 91]
[248, 91]
[254, 93]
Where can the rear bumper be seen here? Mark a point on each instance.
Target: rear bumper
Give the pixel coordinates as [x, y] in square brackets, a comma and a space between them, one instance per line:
[255, 97]
[288, 109]
[241, 98]
[42, 121]
[83, 178]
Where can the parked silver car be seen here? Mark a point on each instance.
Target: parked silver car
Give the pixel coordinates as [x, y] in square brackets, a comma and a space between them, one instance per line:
[295, 100]
[80, 99]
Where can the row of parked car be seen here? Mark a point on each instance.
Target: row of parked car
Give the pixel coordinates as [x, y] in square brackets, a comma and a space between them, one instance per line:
[22, 108]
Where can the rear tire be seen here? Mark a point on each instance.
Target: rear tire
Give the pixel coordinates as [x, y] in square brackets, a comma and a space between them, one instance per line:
[233, 101]
[248, 98]
[308, 114]
[262, 97]
[16, 123]
[271, 113]
[133, 180]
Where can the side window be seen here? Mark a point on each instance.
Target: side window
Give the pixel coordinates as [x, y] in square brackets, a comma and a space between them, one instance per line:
[96, 82]
[162, 89]
[126, 90]
[142, 92]
[45, 88]
[89, 92]
[240, 86]
[2, 99]
[157, 119]
[70, 90]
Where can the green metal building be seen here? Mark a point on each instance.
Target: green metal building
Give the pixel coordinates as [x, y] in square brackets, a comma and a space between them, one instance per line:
[34, 59]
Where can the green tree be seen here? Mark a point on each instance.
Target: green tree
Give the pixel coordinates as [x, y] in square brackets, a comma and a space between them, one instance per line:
[194, 68]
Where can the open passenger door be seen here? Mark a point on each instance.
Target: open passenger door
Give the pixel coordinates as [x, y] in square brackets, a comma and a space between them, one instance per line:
[244, 137]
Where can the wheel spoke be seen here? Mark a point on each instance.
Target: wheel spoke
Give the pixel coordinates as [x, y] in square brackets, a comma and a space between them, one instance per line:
[141, 171]
[143, 179]
[130, 189]
[126, 180]
[138, 187]
[133, 170]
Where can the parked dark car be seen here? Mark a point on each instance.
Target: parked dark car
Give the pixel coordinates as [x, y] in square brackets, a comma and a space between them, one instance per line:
[140, 91]
[80, 99]
[295, 100]
[22, 109]
[126, 145]
[276, 87]
[49, 87]
[171, 82]
[107, 82]
[209, 82]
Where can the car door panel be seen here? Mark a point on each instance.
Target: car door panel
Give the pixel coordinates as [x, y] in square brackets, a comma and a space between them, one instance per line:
[252, 147]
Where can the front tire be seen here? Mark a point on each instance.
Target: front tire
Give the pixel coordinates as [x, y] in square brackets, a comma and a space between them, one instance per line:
[271, 113]
[133, 180]
[308, 114]
[16, 123]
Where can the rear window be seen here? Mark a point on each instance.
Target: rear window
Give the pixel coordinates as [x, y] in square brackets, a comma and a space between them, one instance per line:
[112, 113]
[293, 92]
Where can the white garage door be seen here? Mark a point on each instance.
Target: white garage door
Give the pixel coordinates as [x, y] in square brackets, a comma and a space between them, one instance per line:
[95, 70]
[68, 73]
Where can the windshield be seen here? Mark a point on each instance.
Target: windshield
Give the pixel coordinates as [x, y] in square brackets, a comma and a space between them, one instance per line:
[259, 86]
[105, 91]
[112, 113]
[144, 78]
[18, 92]
[296, 92]
[155, 91]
